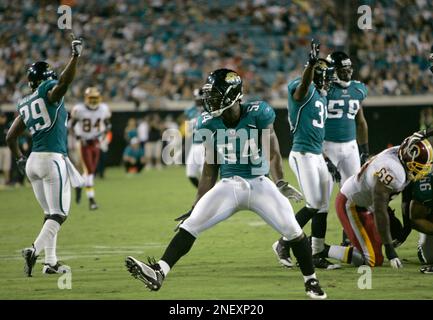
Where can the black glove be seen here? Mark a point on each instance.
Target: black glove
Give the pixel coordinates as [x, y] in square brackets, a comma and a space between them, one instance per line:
[363, 153]
[21, 165]
[182, 218]
[333, 170]
[314, 53]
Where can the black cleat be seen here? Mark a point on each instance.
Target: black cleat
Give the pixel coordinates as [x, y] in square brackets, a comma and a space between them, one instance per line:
[57, 268]
[427, 269]
[78, 192]
[30, 258]
[321, 263]
[92, 204]
[313, 289]
[149, 273]
[282, 250]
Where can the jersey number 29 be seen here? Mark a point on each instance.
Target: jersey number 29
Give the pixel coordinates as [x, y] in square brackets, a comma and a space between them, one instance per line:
[36, 110]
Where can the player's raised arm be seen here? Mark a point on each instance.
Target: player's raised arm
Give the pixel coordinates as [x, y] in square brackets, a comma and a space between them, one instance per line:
[307, 77]
[381, 196]
[68, 74]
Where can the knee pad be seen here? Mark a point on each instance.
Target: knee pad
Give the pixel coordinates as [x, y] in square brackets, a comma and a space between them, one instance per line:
[57, 217]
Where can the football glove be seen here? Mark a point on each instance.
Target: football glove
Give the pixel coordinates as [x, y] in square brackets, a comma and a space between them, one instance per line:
[77, 46]
[21, 165]
[333, 170]
[364, 153]
[392, 257]
[314, 53]
[182, 218]
[289, 191]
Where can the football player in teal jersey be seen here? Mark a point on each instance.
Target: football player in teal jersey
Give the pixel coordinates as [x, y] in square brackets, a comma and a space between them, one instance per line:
[241, 146]
[49, 170]
[307, 115]
[417, 205]
[195, 157]
[345, 127]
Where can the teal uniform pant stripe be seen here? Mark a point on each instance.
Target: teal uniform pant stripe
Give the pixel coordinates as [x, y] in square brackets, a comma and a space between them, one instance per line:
[61, 187]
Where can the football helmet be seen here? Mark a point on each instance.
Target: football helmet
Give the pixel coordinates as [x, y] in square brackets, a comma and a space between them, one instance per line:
[223, 88]
[323, 75]
[417, 158]
[92, 97]
[38, 72]
[342, 64]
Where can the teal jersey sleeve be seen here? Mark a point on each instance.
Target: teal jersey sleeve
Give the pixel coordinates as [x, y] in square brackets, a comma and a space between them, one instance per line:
[291, 87]
[361, 89]
[191, 113]
[46, 86]
[263, 113]
[422, 191]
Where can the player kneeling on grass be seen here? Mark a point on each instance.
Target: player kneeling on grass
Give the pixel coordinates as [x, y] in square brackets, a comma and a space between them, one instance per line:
[231, 130]
[362, 204]
[48, 168]
[133, 156]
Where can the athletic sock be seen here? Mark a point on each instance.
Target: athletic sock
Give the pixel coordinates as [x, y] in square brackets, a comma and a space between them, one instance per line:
[90, 192]
[164, 267]
[48, 231]
[302, 251]
[178, 247]
[304, 215]
[312, 276]
[348, 255]
[318, 231]
[50, 251]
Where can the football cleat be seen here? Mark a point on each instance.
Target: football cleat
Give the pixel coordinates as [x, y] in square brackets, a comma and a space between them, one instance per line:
[427, 269]
[283, 253]
[149, 273]
[313, 289]
[30, 258]
[57, 268]
[321, 263]
[92, 204]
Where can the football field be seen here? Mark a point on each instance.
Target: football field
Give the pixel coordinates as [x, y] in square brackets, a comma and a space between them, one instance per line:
[234, 260]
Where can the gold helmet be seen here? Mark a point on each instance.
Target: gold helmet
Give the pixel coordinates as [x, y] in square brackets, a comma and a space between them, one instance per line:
[92, 97]
[417, 158]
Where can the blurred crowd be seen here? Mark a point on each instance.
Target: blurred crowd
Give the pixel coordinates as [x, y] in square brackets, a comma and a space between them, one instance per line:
[151, 51]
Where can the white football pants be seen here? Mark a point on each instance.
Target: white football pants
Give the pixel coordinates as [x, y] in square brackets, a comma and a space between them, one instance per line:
[231, 195]
[50, 181]
[195, 161]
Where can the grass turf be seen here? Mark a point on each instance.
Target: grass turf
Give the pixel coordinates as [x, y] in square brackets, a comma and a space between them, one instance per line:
[233, 260]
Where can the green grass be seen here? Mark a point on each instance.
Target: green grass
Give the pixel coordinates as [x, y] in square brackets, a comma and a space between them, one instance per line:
[233, 260]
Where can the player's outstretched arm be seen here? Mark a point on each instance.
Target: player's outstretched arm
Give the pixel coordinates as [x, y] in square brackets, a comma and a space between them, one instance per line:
[307, 77]
[68, 74]
[381, 196]
[421, 217]
[208, 179]
[276, 165]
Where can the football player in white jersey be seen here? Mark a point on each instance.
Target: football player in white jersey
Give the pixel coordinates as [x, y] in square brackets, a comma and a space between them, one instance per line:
[362, 204]
[90, 122]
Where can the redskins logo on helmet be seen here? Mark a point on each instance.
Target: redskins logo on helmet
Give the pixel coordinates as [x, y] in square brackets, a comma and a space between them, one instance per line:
[416, 158]
[92, 97]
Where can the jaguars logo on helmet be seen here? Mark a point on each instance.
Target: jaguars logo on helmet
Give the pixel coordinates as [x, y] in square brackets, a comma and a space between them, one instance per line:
[323, 75]
[222, 90]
